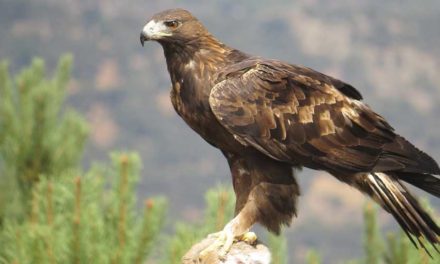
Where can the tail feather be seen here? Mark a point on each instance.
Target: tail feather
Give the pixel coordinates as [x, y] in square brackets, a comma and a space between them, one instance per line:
[397, 200]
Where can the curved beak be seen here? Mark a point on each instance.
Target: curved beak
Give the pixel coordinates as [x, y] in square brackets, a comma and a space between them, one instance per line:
[147, 32]
[154, 31]
[143, 38]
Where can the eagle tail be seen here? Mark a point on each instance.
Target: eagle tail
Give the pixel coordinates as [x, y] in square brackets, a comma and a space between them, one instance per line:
[413, 159]
[397, 200]
[426, 182]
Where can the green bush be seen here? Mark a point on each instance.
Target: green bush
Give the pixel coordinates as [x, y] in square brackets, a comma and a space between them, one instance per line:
[48, 212]
[79, 219]
[38, 138]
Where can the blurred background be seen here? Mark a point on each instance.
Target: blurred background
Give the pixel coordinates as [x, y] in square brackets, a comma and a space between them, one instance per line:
[388, 50]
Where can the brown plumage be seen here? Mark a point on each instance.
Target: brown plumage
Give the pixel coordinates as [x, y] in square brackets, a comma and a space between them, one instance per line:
[267, 117]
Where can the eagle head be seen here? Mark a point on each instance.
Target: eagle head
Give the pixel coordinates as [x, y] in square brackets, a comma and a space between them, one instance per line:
[173, 25]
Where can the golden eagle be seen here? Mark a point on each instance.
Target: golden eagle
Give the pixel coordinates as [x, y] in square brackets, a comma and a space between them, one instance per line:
[268, 117]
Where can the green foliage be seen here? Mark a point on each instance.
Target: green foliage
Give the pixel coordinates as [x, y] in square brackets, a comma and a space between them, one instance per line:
[50, 214]
[313, 257]
[80, 220]
[219, 210]
[278, 248]
[36, 136]
[397, 248]
[372, 244]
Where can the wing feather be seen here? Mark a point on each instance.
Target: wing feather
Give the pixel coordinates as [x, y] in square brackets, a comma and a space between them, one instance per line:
[297, 115]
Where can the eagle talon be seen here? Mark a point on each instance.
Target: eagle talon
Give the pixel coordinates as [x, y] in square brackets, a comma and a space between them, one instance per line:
[221, 246]
[249, 238]
[223, 243]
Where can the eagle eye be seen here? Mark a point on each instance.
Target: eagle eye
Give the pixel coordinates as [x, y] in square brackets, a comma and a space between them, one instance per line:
[173, 24]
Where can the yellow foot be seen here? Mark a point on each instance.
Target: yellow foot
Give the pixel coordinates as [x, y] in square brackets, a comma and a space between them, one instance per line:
[249, 237]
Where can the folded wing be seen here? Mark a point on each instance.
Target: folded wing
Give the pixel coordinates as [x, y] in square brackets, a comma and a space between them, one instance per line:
[298, 115]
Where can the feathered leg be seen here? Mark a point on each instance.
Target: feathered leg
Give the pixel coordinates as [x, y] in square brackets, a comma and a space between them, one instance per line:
[266, 192]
